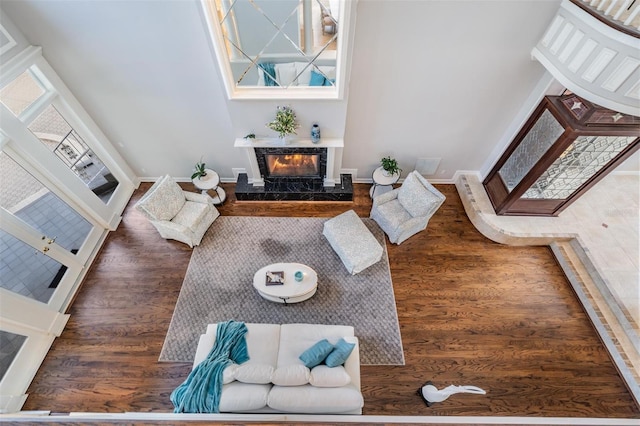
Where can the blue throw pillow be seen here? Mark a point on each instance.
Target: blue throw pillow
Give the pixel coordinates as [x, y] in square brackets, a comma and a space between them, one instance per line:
[316, 79]
[316, 353]
[340, 353]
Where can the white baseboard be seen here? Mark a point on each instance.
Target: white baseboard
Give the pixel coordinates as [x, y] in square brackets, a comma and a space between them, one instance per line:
[352, 172]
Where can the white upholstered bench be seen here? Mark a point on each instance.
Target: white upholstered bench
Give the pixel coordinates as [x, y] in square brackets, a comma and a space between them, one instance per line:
[353, 243]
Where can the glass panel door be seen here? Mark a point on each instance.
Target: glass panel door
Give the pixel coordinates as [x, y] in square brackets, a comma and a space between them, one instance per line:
[58, 136]
[10, 345]
[26, 198]
[37, 108]
[43, 240]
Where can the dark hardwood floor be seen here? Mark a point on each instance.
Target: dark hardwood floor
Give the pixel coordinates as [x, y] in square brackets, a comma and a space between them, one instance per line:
[471, 312]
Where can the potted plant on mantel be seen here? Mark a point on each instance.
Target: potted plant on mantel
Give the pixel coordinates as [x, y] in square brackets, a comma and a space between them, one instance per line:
[390, 166]
[285, 122]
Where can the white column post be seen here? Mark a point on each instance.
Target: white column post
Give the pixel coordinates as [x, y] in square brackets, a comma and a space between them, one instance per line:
[308, 23]
[255, 178]
[330, 179]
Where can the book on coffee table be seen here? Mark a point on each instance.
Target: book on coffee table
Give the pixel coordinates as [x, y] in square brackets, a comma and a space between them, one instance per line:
[275, 278]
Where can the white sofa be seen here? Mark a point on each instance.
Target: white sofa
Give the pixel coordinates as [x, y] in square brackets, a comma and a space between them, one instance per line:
[275, 380]
[297, 74]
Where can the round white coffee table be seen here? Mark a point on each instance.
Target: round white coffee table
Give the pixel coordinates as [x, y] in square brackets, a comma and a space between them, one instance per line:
[290, 291]
[211, 181]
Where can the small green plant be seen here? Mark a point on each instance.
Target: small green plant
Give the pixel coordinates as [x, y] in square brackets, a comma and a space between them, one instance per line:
[250, 136]
[199, 171]
[390, 165]
[285, 122]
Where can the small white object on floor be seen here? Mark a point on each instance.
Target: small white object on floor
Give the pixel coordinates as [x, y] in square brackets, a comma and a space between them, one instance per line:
[431, 394]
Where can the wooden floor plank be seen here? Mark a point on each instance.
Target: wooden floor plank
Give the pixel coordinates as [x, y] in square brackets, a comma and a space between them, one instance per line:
[471, 311]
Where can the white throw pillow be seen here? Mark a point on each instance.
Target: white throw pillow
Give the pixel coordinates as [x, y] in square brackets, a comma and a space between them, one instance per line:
[329, 72]
[254, 373]
[291, 375]
[260, 77]
[323, 376]
[416, 198]
[229, 373]
[305, 77]
[285, 73]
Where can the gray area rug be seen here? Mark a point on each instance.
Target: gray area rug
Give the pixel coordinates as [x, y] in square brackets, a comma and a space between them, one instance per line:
[218, 286]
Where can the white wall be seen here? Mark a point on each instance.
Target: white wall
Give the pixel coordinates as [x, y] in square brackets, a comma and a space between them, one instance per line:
[144, 72]
[440, 79]
[429, 79]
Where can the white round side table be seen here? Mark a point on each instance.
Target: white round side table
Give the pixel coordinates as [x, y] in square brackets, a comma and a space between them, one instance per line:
[381, 182]
[211, 181]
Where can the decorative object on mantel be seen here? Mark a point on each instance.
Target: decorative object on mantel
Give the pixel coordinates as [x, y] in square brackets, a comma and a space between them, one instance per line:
[390, 166]
[285, 122]
[200, 171]
[250, 136]
[315, 133]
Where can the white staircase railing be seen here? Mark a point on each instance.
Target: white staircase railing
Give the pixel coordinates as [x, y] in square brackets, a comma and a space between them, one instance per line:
[591, 58]
[625, 12]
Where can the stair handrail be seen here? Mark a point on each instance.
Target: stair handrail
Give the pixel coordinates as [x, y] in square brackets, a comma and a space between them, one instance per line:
[613, 13]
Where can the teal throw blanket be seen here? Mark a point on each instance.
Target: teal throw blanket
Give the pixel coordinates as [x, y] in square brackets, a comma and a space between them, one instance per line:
[200, 393]
[269, 70]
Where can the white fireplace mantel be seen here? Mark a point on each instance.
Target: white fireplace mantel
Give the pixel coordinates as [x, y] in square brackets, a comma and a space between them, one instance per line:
[256, 179]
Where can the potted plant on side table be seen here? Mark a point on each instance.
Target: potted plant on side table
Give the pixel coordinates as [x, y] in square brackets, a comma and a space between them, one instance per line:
[390, 166]
[206, 179]
[199, 171]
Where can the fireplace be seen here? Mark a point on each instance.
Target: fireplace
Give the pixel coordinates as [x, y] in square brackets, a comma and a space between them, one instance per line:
[296, 165]
[279, 165]
[300, 171]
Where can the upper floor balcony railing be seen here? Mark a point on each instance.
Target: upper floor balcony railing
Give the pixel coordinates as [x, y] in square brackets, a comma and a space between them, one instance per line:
[592, 56]
[623, 15]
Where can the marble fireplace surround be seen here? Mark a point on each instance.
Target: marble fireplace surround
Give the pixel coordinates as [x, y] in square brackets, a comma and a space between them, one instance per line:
[255, 176]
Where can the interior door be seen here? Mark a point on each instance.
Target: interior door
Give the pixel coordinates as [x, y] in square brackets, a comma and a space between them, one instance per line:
[44, 240]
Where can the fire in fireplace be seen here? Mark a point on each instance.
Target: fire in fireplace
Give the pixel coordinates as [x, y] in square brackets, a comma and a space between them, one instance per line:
[298, 165]
[291, 163]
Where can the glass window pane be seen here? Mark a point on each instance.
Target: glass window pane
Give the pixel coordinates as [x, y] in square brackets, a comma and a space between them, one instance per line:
[577, 164]
[57, 135]
[25, 197]
[21, 92]
[281, 33]
[26, 271]
[10, 344]
[534, 145]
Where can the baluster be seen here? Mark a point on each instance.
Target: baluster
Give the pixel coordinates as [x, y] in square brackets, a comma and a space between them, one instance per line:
[622, 9]
[633, 15]
[609, 10]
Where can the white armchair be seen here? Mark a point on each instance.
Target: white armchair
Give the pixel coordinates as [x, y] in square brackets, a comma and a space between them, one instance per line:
[406, 211]
[177, 214]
